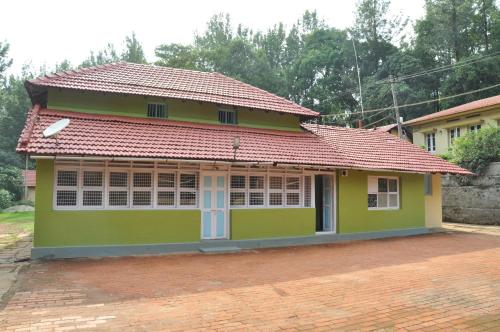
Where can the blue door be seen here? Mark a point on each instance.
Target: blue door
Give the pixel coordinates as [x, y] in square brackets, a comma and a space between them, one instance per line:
[214, 210]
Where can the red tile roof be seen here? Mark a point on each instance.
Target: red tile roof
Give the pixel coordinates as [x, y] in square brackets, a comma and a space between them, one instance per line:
[475, 105]
[29, 177]
[120, 136]
[369, 149]
[165, 82]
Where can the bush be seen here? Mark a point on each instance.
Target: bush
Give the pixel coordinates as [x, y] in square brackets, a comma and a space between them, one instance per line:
[12, 181]
[24, 202]
[5, 199]
[475, 151]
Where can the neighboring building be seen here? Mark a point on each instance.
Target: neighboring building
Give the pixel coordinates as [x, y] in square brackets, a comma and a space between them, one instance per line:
[393, 129]
[159, 159]
[29, 183]
[436, 132]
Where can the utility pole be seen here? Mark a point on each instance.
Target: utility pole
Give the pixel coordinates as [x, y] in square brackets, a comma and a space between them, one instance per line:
[359, 79]
[396, 108]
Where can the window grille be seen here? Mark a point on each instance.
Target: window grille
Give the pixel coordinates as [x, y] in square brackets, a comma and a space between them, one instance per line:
[93, 188]
[307, 191]
[256, 190]
[166, 189]
[156, 110]
[142, 187]
[383, 193]
[188, 190]
[67, 188]
[227, 116]
[237, 196]
[292, 190]
[276, 190]
[118, 189]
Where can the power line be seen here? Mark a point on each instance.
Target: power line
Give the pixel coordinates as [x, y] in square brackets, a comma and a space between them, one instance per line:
[442, 68]
[421, 102]
[375, 122]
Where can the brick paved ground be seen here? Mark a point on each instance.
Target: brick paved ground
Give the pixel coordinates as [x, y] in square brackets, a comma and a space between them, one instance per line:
[448, 281]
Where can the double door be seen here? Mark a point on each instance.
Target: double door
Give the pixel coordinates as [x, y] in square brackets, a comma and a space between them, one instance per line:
[214, 212]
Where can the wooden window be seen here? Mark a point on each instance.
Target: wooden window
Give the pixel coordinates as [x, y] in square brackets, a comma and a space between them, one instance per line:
[166, 189]
[238, 188]
[276, 190]
[293, 190]
[188, 190]
[256, 190]
[474, 128]
[93, 188]
[66, 192]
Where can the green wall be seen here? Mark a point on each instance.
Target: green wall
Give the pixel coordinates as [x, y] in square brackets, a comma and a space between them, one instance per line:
[352, 204]
[80, 228]
[269, 223]
[133, 105]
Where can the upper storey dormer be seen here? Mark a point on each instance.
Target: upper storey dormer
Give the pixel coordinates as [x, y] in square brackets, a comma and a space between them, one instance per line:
[166, 93]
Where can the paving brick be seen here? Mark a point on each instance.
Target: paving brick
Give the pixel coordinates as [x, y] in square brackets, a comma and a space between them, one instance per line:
[440, 282]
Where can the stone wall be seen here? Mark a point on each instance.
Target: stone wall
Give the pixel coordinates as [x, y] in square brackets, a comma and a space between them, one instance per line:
[475, 203]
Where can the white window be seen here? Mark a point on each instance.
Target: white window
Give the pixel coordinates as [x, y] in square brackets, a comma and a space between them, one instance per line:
[66, 191]
[118, 189]
[166, 189]
[227, 116]
[188, 190]
[292, 190]
[156, 110]
[474, 128]
[93, 188]
[453, 133]
[430, 142]
[383, 193]
[256, 190]
[275, 191]
[142, 189]
[238, 186]
[307, 191]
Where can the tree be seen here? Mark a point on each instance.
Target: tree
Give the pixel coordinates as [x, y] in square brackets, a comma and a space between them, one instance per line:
[104, 56]
[5, 62]
[133, 50]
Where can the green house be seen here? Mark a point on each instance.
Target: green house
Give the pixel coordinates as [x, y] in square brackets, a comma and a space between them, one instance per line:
[158, 160]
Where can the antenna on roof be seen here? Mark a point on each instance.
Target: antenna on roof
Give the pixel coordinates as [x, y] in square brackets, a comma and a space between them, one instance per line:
[54, 129]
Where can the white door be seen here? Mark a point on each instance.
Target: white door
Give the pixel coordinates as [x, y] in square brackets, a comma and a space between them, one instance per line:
[327, 203]
[213, 206]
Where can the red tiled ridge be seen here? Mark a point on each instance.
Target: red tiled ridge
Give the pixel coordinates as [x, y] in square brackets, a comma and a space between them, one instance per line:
[121, 136]
[478, 104]
[166, 82]
[371, 149]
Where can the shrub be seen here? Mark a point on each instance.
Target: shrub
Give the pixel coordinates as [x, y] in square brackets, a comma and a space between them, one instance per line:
[11, 180]
[475, 151]
[5, 199]
[24, 202]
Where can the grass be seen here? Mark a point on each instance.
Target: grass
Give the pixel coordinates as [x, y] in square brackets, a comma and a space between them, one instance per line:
[15, 225]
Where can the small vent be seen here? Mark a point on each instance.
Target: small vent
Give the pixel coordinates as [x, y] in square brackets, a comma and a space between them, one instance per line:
[157, 110]
[344, 173]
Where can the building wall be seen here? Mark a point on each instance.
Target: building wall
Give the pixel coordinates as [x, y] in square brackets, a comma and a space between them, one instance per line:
[489, 118]
[352, 207]
[132, 105]
[433, 204]
[81, 228]
[269, 223]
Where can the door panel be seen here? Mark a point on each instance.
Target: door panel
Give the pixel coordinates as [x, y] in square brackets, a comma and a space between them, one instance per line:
[327, 203]
[214, 221]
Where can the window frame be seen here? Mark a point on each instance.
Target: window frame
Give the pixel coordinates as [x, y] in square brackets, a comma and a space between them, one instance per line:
[66, 188]
[474, 128]
[431, 148]
[156, 110]
[293, 191]
[226, 111]
[453, 134]
[83, 188]
[398, 192]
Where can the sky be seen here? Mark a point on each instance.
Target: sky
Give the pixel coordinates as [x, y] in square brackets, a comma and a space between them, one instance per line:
[47, 32]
